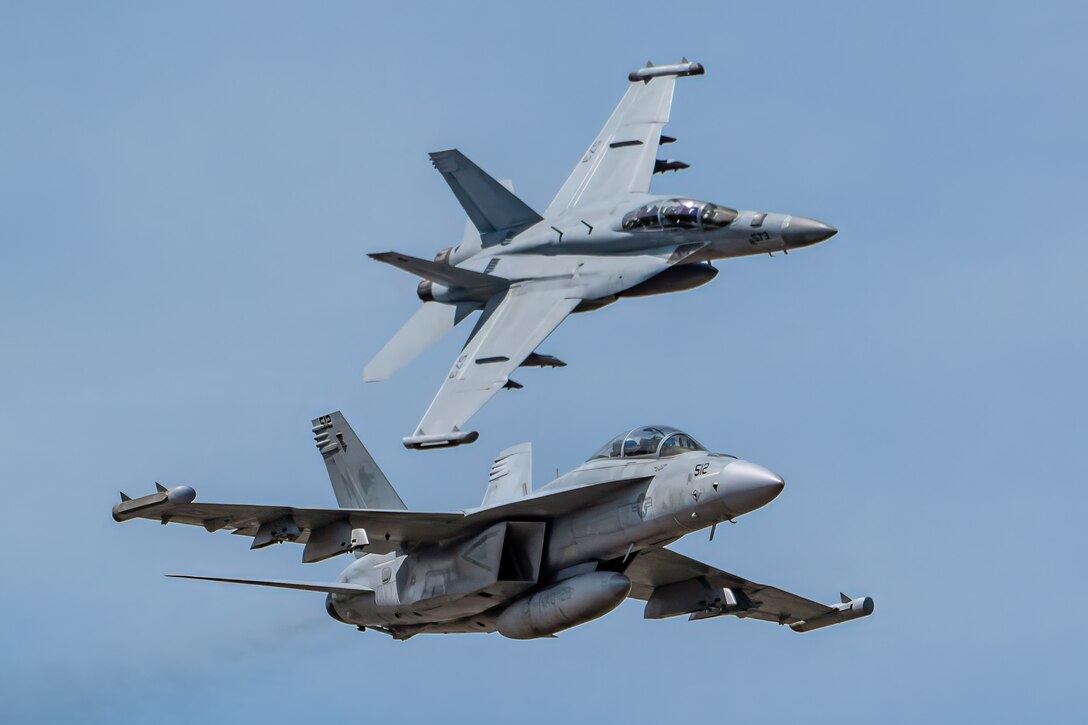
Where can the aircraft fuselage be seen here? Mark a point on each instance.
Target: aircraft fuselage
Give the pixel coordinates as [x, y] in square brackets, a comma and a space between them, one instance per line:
[453, 587]
[588, 251]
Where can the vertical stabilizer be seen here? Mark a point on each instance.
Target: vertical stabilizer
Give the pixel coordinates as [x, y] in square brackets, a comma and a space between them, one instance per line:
[356, 479]
[471, 241]
[511, 476]
[495, 211]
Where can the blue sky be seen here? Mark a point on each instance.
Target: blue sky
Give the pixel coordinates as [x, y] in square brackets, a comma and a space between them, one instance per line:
[187, 194]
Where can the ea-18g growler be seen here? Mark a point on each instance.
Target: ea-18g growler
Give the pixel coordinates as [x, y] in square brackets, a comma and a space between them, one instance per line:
[524, 563]
[603, 237]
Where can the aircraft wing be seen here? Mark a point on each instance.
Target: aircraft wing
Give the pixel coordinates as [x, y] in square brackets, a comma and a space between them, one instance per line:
[621, 159]
[654, 568]
[512, 325]
[328, 532]
[325, 532]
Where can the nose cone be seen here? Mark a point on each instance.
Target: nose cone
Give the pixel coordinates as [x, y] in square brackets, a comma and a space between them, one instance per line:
[747, 486]
[799, 231]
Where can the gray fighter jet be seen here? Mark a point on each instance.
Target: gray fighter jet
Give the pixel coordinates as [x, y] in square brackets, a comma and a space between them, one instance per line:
[524, 563]
[603, 237]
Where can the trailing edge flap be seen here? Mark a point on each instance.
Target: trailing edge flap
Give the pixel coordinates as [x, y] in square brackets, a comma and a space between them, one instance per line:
[511, 476]
[423, 329]
[446, 274]
[338, 588]
[493, 208]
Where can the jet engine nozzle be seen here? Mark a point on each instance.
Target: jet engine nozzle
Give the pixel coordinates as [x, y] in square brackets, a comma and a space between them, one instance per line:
[425, 290]
[330, 607]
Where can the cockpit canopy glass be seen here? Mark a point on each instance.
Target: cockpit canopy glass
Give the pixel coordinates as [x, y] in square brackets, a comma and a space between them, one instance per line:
[650, 440]
[679, 443]
[678, 214]
[643, 218]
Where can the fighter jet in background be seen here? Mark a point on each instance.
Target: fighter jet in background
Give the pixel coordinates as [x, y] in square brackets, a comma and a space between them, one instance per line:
[603, 237]
[524, 563]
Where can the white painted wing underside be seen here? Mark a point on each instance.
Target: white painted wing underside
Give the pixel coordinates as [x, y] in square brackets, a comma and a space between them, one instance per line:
[621, 159]
[514, 323]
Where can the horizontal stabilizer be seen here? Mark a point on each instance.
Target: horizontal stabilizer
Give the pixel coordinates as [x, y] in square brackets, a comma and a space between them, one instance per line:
[495, 210]
[338, 588]
[478, 283]
[423, 329]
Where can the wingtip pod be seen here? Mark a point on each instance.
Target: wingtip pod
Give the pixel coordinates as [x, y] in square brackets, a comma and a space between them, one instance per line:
[849, 609]
[684, 68]
[440, 440]
[132, 507]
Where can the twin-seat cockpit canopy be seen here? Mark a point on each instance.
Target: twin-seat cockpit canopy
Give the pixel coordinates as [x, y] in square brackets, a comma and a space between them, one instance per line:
[678, 214]
[650, 440]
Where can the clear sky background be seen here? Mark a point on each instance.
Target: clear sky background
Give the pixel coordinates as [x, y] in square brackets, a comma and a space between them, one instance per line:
[187, 196]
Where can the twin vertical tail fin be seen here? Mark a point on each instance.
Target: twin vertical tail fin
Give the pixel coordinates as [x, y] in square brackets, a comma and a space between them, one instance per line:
[496, 211]
[356, 479]
[511, 476]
